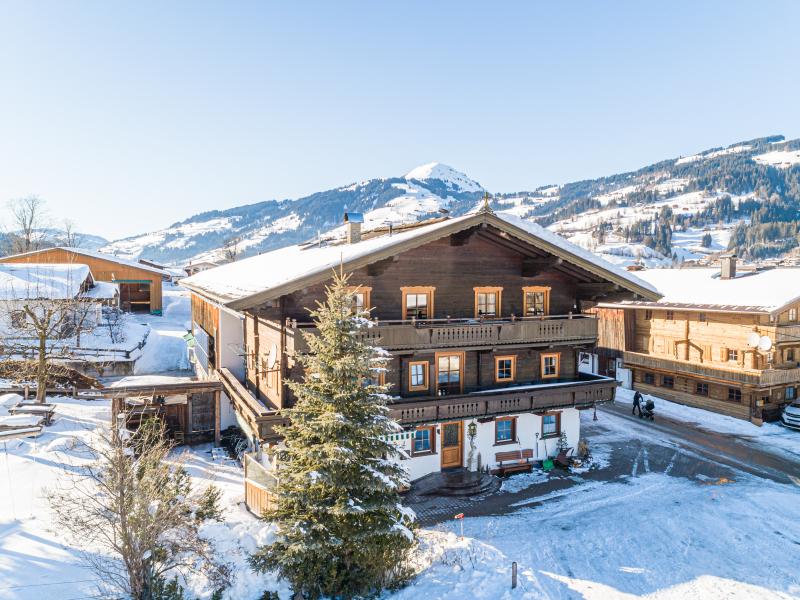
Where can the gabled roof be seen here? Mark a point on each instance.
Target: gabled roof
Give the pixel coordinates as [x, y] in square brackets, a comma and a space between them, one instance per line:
[768, 291]
[92, 254]
[33, 281]
[268, 276]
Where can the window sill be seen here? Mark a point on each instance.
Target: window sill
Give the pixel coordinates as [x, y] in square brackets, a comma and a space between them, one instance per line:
[416, 454]
[551, 435]
[506, 443]
[506, 381]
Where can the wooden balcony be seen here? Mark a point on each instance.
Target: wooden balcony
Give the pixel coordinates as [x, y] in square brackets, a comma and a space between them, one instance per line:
[738, 375]
[261, 418]
[581, 392]
[466, 333]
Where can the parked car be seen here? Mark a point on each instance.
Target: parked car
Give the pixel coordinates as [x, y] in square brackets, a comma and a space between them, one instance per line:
[791, 415]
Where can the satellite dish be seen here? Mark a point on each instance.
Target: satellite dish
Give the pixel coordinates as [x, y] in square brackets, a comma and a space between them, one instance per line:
[273, 355]
[765, 344]
[753, 339]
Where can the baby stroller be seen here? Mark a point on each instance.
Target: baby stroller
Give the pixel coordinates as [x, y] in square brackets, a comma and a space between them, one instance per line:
[646, 410]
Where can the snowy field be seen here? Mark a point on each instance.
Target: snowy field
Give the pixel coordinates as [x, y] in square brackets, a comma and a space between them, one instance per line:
[643, 534]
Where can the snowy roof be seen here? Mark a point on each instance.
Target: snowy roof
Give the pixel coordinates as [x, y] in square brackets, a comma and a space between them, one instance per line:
[94, 254]
[102, 290]
[20, 281]
[764, 291]
[270, 275]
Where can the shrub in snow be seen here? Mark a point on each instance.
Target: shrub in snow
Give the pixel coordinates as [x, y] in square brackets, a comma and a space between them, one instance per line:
[341, 530]
[136, 516]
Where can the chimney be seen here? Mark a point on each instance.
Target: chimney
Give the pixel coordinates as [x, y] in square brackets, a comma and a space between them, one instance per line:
[353, 222]
[727, 264]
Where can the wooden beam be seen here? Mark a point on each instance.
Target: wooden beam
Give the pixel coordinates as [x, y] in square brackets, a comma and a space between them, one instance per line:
[531, 267]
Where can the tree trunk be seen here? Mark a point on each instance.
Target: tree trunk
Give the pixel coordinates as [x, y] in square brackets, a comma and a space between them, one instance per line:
[41, 371]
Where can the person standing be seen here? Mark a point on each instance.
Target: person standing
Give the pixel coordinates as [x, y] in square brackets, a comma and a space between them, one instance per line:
[637, 403]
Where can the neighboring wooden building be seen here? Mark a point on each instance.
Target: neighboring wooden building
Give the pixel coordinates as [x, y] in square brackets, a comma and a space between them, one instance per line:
[697, 345]
[139, 284]
[483, 316]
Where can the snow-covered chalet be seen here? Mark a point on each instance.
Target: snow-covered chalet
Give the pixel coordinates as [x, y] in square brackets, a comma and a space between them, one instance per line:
[484, 317]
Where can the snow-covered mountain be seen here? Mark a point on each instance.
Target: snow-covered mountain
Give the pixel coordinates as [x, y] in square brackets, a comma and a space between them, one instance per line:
[682, 208]
[424, 191]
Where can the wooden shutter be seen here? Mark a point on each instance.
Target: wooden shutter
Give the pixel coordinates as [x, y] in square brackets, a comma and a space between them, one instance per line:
[723, 353]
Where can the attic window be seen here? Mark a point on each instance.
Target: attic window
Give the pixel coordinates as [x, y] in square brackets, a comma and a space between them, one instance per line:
[793, 314]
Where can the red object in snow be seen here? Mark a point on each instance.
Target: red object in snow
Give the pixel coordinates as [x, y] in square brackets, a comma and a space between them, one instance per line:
[459, 516]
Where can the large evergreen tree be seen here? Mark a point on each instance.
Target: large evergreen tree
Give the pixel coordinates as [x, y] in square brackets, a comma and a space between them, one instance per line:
[342, 531]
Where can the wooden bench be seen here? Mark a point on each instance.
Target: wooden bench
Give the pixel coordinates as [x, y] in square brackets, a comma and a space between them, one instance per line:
[513, 461]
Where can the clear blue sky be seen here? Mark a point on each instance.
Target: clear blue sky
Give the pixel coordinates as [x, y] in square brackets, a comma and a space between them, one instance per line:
[126, 117]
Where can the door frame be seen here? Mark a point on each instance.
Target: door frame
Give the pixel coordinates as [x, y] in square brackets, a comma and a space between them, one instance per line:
[460, 445]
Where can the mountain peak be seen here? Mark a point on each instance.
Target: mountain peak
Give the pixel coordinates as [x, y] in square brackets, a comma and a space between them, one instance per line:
[446, 173]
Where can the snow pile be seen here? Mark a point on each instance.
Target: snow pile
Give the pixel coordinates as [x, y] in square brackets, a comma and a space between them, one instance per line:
[455, 180]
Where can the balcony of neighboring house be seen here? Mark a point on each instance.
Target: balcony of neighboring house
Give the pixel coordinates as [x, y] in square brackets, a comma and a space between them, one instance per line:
[583, 391]
[734, 373]
[261, 418]
[414, 334]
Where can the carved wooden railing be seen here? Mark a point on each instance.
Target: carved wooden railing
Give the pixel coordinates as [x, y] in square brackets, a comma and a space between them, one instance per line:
[740, 375]
[578, 394]
[456, 333]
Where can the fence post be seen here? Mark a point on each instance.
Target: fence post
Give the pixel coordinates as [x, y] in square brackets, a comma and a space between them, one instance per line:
[25, 392]
[513, 575]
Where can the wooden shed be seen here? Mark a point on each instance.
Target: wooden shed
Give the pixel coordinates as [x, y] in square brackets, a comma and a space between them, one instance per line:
[139, 284]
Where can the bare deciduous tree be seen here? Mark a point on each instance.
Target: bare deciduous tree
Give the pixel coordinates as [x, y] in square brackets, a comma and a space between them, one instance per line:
[138, 508]
[230, 249]
[28, 228]
[35, 322]
[70, 238]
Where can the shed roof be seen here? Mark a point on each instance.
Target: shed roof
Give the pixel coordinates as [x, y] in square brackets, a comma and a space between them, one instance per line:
[92, 254]
[268, 276]
[27, 281]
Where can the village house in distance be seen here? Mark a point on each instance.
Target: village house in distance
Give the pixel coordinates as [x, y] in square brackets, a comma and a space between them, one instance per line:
[483, 316]
[723, 339]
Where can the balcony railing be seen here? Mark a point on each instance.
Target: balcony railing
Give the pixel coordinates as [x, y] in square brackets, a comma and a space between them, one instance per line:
[580, 392]
[458, 333]
[261, 418]
[741, 375]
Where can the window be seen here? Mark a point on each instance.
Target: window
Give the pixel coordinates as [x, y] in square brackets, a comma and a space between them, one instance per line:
[536, 301]
[667, 381]
[550, 365]
[423, 441]
[448, 373]
[649, 379]
[418, 302]
[733, 355]
[418, 376]
[701, 389]
[793, 314]
[550, 425]
[670, 316]
[18, 319]
[734, 394]
[648, 315]
[790, 394]
[360, 295]
[487, 301]
[790, 354]
[505, 430]
[505, 368]
[702, 317]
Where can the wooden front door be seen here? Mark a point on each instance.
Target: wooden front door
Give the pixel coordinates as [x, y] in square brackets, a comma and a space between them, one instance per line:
[452, 444]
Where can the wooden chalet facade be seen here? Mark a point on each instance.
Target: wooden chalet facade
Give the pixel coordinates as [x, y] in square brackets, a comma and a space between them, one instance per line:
[139, 284]
[697, 345]
[483, 316]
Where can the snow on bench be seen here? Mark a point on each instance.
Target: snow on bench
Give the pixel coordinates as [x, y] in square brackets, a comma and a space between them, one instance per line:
[515, 460]
[12, 434]
[21, 420]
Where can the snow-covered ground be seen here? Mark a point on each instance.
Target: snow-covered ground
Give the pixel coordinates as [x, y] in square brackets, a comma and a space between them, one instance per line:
[771, 435]
[648, 534]
[165, 349]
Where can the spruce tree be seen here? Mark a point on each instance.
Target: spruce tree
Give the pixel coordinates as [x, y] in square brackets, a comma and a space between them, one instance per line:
[341, 529]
